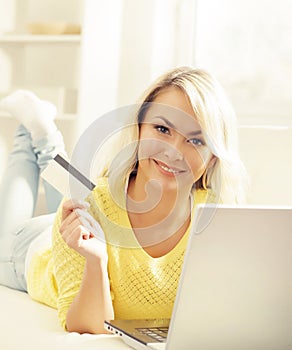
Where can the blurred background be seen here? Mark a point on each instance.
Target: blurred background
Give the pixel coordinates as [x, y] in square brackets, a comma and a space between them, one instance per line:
[91, 56]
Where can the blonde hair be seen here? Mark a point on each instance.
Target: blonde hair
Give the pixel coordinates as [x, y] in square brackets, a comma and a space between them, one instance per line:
[226, 178]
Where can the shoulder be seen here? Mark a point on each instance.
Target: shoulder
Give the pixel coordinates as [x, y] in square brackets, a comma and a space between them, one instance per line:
[101, 193]
[101, 185]
[103, 202]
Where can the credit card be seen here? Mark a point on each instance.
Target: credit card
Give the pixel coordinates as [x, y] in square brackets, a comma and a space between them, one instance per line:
[58, 172]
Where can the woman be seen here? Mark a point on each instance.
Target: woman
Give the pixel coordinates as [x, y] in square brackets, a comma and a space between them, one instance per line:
[180, 151]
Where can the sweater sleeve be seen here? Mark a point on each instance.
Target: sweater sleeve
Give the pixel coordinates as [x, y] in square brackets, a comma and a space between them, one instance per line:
[68, 267]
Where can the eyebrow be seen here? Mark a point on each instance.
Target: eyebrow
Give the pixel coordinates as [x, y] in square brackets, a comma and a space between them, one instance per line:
[169, 123]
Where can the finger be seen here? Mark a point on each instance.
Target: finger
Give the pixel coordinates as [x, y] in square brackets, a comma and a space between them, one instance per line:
[76, 235]
[71, 204]
[84, 214]
[70, 218]
[69, 225]
[90, 223]
[91, 226]
[77, 218]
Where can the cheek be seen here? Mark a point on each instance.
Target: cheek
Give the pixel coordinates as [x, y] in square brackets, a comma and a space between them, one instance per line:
[148, 148]
[197, 162]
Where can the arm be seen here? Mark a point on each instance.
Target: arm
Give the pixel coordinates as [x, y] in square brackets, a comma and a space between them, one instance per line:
[92, 304]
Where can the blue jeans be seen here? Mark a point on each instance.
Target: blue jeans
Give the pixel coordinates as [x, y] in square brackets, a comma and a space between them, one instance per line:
[18, 197]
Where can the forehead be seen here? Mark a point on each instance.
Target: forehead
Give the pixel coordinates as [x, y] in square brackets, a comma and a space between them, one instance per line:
[173, 105]
[176, 98]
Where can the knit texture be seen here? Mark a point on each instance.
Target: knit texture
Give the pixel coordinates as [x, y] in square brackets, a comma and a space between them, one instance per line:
[141, 286]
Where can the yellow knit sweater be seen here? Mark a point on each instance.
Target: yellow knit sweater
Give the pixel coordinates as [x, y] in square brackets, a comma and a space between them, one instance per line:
[141, 286]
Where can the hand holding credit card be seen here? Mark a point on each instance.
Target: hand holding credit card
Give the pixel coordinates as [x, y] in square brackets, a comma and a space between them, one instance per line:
[72, 183]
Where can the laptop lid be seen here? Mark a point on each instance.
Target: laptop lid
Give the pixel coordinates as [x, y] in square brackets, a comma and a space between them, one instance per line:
[235, 290]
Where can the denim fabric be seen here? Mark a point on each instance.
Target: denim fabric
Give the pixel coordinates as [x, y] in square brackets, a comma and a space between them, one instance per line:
[18, 197]
[13, 251]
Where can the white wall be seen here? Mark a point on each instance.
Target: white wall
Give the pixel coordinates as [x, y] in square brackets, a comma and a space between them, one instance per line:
[265, 151]
[100, 64]
[156, 35]
[135, 41]
[247, 45]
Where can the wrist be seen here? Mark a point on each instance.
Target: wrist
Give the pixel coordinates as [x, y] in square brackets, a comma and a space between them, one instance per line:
[96, 264]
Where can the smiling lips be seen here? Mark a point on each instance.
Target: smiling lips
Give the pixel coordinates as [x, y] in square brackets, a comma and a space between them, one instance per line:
[166, 169]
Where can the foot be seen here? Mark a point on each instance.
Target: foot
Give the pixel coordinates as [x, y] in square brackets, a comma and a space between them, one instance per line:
[35, 114]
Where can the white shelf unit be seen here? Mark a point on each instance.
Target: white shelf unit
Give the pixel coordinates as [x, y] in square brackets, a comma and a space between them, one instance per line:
[78, 73]
[12, 39]
[48, 65]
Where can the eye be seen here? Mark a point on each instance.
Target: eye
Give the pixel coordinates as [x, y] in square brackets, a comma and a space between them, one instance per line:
[162, 129]
[196, 142]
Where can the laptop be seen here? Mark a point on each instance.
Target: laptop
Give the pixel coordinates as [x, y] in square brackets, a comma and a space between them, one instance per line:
[235, 290]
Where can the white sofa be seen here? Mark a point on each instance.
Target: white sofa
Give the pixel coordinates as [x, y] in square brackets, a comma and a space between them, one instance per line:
[28, 325]
[25, 324]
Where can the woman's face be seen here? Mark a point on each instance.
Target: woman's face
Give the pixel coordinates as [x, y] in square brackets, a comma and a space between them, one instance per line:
[172, 149]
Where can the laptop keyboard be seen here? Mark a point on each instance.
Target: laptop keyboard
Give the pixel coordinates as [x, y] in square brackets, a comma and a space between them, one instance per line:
[157, 333]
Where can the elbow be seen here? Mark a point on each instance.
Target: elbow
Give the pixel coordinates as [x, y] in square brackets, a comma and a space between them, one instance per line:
[85, 328]
[83, 323]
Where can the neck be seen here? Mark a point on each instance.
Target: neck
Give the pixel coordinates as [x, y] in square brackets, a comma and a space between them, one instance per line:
[150, 207]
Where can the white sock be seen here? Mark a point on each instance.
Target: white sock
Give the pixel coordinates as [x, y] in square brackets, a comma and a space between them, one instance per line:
[35, 114]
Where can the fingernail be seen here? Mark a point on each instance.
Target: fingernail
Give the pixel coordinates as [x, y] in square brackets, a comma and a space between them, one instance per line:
[85, 204]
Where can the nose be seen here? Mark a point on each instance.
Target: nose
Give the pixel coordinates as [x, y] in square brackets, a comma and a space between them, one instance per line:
[172, 151]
